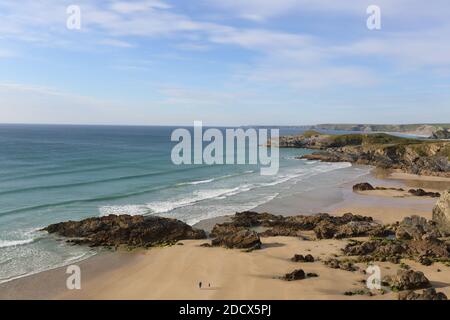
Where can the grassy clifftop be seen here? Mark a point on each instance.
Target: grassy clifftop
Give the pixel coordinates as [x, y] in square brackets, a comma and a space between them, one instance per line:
[429, 157]
[420, 129]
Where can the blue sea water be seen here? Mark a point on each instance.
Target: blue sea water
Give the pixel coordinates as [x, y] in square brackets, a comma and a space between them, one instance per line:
[55, 173]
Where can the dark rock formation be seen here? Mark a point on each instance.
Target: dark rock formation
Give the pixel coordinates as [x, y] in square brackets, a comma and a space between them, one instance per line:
[423, 193]
[359, 229]
[434, 249]
[416, 228]
[339, 264]
[377, 250]
[298, 274]
[441, 134]
[407, 280]
[441, 213]
[428, 294]
[381, 150]
[242, 239]
[301, 258]
[132, 231]
[422, 250]
[324, 225]
[363, 187]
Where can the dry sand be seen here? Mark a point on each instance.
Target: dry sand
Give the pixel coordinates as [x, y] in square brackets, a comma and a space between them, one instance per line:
[174, 272]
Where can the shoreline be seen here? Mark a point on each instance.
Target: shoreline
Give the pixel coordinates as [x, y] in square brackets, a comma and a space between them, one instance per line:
[97, 269]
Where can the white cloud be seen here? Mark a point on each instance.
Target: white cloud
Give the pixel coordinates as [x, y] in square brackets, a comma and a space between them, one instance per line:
[138, 6]
[6, 53]
[116, 43]
[261, 10]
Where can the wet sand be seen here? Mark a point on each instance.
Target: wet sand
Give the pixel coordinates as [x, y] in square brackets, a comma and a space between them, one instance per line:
[174, 272]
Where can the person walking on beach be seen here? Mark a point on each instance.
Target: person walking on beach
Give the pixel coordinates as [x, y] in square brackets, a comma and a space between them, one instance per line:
[200, 285]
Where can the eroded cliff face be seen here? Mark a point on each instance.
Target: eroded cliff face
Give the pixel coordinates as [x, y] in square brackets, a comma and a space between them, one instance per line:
[441, 212]
[381, 150]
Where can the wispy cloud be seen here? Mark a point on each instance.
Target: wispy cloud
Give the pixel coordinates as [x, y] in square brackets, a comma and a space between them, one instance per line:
[264, 54]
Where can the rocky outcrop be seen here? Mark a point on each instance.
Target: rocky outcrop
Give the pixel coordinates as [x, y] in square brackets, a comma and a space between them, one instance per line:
[407, 280]
[324, 225]
[295, 275]
[368, 187]
[243, 239]
[416, 228]
[131, 231]
[381, 150]
[363, 187]
[423, 193]
[341, 264]
[428, 294]
[424, 250]
[376, 250]
[441, 212]
[441, 134]
[301, 258]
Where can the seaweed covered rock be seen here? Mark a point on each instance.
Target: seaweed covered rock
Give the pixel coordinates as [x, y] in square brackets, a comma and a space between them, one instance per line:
[133, 231]
[363, 187]
[441, 212]
[423, 193]
[416, 228]
[324, 225]
[341, 264]
[298, 274]
[302, 258]
[407, 280]
[243, 239]
[377, 250]
[428, 294]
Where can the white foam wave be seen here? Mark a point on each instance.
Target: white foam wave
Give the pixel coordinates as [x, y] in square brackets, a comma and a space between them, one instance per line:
[195, 182]
[14, 243]
[132, 210]
[197, 196]
[158, 207]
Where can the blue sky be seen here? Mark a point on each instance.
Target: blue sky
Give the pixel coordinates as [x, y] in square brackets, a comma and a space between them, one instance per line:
[285, 62]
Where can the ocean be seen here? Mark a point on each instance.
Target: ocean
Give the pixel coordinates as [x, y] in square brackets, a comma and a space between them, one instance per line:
[53, 173]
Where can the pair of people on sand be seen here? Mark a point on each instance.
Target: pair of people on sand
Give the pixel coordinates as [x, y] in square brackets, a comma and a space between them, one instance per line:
[200, 284]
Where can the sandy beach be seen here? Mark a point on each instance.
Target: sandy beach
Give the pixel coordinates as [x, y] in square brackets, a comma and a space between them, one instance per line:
[175, 272]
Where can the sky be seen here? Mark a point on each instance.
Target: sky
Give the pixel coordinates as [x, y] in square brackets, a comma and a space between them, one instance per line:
[224, 62]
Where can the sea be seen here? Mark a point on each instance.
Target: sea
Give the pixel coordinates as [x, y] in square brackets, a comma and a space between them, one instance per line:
[54, 173]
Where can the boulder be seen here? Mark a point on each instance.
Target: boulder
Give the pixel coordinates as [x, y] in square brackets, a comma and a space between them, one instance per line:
[301, 258]
[338, 264]
[423, 193]
[358, 229]
[416, 228]
[298, 274]
[325, 230]
[441, 134]
[441, 212]
[408, 280]
[428, 294]
[132, 231]
[243, 239]
[377, 250]
[363, 187]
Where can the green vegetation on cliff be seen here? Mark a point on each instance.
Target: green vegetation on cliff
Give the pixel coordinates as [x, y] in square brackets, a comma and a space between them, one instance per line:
[428, 157]
[419, 129]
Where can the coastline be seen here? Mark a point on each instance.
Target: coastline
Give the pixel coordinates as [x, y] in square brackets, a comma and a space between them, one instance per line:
[173, 273]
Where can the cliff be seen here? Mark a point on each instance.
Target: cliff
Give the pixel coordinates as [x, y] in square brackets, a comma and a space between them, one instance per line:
[416, 129]
[381, 150]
